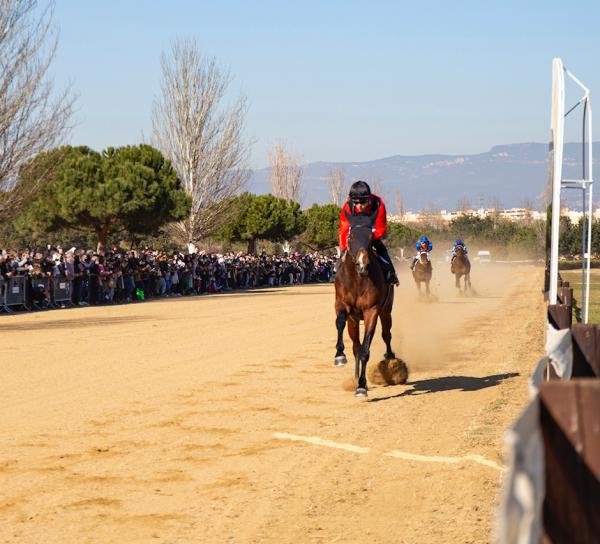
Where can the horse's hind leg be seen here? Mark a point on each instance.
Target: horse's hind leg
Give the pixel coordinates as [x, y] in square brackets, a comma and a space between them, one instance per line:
[370, 325]
[386, 334]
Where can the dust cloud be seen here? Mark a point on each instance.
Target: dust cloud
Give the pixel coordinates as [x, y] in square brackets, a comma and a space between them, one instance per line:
[426, 331]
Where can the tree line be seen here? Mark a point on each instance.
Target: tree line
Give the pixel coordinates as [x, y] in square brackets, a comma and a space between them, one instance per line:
[133, 193]
[183, 181]
[183, 187]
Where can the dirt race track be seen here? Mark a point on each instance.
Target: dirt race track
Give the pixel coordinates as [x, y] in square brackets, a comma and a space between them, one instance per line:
[222, 419]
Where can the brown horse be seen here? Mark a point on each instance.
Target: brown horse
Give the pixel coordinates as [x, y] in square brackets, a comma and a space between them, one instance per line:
[461, 267]
[361, 292]
[422, 271]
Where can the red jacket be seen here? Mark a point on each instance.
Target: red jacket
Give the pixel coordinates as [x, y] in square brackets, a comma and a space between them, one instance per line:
[379, 227]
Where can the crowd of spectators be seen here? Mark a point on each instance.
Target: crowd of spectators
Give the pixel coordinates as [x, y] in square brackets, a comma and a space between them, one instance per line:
[127, 276]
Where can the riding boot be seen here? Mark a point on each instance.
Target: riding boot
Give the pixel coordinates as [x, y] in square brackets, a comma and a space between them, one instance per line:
[386, 261]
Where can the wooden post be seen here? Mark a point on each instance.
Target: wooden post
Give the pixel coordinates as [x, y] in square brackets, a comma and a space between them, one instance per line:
[569, 417]
[586, 351]
[565, 295]
[560, 316]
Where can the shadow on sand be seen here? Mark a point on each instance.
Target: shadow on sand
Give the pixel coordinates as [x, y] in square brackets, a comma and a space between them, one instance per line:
[77, 323]
[450, 383]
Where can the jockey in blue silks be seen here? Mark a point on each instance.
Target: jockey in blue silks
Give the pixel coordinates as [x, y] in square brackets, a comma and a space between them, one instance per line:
[459, 242]
[422, 245]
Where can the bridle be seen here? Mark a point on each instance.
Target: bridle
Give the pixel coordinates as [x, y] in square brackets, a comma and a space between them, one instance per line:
[368, 249]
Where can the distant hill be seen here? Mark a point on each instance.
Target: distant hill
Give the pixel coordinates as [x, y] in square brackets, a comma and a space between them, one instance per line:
[512, 173]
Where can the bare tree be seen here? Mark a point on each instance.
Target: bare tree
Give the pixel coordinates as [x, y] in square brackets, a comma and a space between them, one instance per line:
[400, 205]
[431, 216]
[495, 203]
[527, 206]
[33, 118]
[377, 185]
[286, 173]
[202, 138]
[495, 209]
[335, 180]
[463, 205]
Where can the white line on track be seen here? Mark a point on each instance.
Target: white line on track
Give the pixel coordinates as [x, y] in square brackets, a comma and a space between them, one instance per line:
[394, 453]
[321, 442]
[442, 459]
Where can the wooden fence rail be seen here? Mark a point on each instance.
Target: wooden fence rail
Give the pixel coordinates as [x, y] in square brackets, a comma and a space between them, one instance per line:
[566, 413]
[570, 423]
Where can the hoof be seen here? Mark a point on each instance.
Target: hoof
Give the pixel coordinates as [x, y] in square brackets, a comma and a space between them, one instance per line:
[361, 392]
[340, 360]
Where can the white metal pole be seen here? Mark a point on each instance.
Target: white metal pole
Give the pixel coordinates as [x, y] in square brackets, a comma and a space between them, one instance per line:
[584, 211]
[590, 210]
[557, 122]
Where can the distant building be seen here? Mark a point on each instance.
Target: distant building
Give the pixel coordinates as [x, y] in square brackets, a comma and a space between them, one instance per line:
[444, 217]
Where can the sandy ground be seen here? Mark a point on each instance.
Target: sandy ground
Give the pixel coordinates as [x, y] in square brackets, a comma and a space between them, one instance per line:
[157, 422]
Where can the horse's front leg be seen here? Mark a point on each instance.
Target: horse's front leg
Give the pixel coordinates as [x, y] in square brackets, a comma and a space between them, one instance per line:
[371, 317]
[354, 332]
[457, 281]
[340, 323]
[427, 287]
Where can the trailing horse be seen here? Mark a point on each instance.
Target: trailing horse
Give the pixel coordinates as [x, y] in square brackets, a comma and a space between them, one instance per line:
[422, 271]
[361, 293]
[461, 267]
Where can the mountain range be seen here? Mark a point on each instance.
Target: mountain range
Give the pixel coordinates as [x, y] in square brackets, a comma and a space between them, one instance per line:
[508, 175]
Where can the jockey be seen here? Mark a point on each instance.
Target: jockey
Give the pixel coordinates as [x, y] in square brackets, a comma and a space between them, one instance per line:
[422, 245]
[460, 243]
[362, 203]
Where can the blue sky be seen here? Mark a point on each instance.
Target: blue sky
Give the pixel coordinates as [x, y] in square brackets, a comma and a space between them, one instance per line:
[338, 81]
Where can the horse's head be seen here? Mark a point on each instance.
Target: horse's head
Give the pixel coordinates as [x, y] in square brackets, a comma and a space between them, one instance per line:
[359, 246]
[459, 250]
[423, 257]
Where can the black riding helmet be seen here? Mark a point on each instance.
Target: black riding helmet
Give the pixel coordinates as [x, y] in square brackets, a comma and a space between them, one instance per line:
[359, 191]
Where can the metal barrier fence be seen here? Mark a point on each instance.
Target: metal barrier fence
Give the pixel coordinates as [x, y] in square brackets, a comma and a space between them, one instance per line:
[40, 293]
[26, 292]
[29, 293]
[62, 291]
[16, 292]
